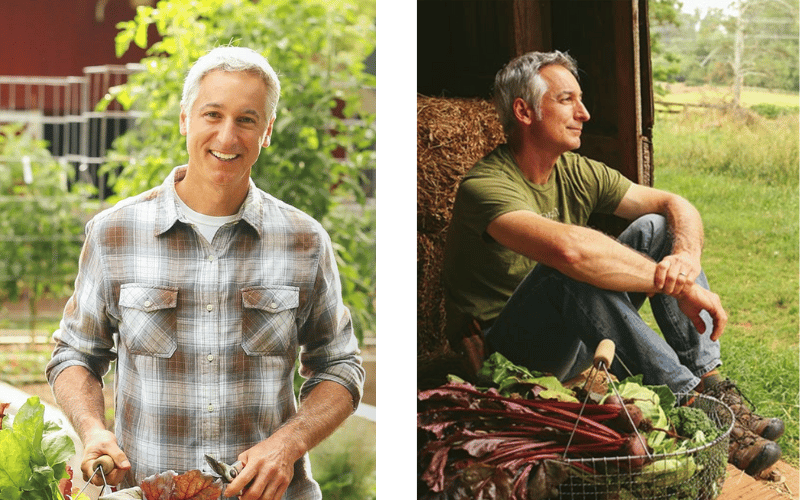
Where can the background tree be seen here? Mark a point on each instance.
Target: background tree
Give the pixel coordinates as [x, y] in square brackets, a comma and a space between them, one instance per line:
[666, 63]
[323, 140]
[766, 45]
[755, 44]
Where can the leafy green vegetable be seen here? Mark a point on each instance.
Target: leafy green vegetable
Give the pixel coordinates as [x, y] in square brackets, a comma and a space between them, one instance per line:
[654, 403]
[667, 472]
[694, 424]
[510, 379]
[34, 455]
[675, 473]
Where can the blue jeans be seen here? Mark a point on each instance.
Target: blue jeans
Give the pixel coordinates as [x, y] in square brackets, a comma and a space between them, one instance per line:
[553, 323]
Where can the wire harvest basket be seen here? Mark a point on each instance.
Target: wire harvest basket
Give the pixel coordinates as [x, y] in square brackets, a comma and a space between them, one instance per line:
[694, 474]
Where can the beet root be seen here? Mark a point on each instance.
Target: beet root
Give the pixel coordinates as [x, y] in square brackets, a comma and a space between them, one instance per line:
[629, 419]
[636, 451]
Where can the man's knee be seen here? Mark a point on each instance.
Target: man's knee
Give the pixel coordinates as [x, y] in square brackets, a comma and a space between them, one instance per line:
[652, 223]
[649, 234]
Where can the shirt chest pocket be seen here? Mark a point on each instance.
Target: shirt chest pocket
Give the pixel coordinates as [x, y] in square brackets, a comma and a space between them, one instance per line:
[268, 319]
[149, 319]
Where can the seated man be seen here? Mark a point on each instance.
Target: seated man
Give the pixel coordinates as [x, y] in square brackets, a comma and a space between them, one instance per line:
[545, 289]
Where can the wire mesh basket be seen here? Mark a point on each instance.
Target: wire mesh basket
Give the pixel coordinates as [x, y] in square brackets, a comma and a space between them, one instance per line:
[696, 474]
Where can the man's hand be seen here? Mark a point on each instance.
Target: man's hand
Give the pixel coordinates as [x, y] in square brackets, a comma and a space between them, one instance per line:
[97, 444]
[675, 273]
[268, 470]
[694, 299]
[269, 465]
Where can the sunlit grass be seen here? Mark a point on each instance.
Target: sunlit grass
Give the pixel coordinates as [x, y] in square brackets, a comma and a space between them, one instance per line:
[717, 95]
[742, 177]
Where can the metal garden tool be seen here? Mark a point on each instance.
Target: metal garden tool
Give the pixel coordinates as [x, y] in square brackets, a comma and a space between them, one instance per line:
[103, 465]
[603, 357]
[225, 471]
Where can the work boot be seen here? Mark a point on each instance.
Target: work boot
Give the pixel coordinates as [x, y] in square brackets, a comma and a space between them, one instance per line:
[727, 392]
[751, 453]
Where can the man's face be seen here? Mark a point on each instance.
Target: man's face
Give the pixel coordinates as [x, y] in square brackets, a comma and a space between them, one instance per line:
[563, 112]
[226, 129]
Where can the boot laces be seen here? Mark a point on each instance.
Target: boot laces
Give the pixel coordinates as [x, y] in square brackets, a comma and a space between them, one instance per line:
[727, 386]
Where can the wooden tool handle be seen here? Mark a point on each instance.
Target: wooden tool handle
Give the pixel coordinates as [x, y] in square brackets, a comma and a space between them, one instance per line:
[104, 461]
[604, 354]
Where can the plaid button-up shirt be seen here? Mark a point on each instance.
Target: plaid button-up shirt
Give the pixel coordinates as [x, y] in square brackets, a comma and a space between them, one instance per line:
[206, 336]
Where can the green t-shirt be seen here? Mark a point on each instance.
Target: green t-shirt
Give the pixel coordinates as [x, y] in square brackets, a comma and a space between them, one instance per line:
[480, 274]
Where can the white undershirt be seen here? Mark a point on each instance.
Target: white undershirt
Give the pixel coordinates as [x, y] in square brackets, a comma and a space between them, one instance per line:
[206, 224]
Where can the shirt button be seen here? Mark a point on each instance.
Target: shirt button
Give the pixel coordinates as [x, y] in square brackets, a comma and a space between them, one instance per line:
[210, 407]
[210, 307]
[147, 303]
[211, 258]
[210, 357]
[273, 305]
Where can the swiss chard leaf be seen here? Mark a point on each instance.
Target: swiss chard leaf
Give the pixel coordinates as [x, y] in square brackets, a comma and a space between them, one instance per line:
[29, 425]
[15, 461]
[497, 371]
[57, 447]
[34, 455]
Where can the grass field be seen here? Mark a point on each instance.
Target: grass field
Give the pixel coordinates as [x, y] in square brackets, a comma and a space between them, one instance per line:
[742, 175]
[679, 93]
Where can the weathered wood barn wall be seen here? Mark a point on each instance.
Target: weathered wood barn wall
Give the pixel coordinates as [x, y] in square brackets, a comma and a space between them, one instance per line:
[461, 44]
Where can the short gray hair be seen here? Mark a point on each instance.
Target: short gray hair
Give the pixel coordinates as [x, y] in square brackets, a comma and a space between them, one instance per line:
[229, 58]
[521, 78]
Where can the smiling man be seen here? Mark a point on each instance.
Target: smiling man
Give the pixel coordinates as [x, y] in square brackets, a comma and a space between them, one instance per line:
[205, 290]
[544, 289]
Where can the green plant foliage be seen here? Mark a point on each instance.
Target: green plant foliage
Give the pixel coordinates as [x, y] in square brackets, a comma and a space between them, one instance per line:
[318, 49]
[344, 464]
[768, 110]
[665, 63]
[355, 243]
[41, 222]
[34, 455]
[705, 48]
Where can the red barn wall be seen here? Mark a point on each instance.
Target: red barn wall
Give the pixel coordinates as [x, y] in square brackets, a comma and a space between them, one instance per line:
[61, 37]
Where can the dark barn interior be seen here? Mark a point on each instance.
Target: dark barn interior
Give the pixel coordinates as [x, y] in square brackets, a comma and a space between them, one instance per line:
[461, 44]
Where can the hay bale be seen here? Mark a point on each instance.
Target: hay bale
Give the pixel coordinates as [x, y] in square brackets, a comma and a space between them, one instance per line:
[452, 134]
[430, 299]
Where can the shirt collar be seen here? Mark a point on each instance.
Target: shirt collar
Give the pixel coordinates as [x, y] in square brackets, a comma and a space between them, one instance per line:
[168, 211]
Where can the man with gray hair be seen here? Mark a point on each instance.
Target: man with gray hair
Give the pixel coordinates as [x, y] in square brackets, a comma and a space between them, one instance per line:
[204, 290]
[544, 289]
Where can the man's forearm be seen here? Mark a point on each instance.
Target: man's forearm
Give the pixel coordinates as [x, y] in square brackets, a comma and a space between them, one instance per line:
[686, 226]
[320, 413]
[80, 396]
[605, 263]
[581, 253]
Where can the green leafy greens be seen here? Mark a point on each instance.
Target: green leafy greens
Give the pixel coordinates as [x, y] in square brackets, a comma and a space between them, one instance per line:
[34, 455]
[511, 379]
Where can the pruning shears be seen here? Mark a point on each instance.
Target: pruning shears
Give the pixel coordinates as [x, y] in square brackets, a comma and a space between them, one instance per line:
[225, 471]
